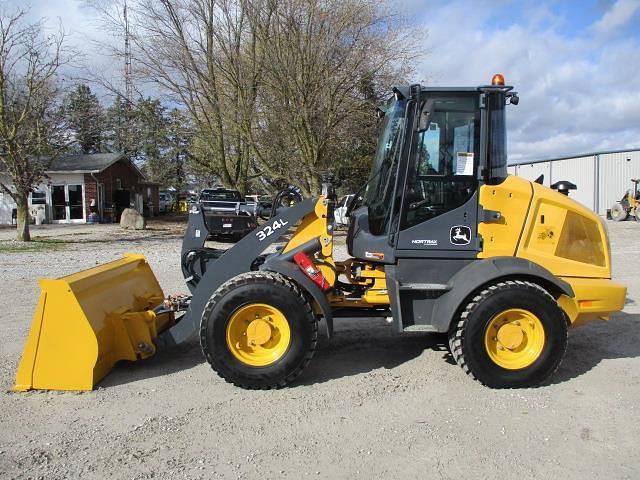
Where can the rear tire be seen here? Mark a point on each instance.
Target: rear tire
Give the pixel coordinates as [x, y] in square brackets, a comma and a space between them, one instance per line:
[525, 353]
[618, 213]
[287, 331]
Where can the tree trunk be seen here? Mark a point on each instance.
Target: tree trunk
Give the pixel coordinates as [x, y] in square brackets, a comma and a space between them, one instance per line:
[315, 185]
[22, 203]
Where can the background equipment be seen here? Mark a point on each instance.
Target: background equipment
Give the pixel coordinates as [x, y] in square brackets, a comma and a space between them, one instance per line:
[628, 205]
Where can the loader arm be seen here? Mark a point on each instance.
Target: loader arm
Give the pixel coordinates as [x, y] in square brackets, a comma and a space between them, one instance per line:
[205, 270]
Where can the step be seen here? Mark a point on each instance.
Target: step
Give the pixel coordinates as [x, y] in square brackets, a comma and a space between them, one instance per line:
[441, 287]
[420, 328]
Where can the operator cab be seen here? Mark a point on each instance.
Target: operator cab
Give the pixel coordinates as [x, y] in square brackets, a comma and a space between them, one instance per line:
[436, 147]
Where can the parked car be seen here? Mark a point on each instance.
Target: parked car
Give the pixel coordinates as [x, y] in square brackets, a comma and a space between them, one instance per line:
[340, 213]
[226, 213]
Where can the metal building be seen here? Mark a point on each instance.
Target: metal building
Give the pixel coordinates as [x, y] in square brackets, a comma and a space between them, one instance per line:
[602, 178]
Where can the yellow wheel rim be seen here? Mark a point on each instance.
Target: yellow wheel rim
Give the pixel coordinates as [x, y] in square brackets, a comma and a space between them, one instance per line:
[514, 339]
[258, 334]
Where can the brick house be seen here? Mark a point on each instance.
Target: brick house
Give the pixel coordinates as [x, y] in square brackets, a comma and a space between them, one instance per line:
[76, 185]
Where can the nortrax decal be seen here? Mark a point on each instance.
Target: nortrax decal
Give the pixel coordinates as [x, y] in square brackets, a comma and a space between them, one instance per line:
[425, 243]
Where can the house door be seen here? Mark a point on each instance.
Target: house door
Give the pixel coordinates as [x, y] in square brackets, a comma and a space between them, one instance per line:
[67, 203]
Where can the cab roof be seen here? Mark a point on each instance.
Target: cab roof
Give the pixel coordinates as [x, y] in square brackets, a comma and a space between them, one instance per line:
[405, 90]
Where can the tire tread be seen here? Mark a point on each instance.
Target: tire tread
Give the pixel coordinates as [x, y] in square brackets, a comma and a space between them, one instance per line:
[457, 334]
[256, 277]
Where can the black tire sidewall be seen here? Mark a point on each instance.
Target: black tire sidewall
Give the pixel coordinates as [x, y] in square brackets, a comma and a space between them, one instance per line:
[292, 306]
[520, 297]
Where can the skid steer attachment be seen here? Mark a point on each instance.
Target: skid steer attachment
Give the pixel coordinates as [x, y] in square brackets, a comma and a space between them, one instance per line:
[88, 321]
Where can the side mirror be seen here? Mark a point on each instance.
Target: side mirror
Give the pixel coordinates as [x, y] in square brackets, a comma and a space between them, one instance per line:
[425, 115]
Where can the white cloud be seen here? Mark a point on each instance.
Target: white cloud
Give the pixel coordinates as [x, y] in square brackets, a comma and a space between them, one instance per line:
[84, 33]
[620, 13]
[577, 93]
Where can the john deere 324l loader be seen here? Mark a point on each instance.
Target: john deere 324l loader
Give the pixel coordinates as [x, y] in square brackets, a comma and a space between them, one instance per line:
[443, 240]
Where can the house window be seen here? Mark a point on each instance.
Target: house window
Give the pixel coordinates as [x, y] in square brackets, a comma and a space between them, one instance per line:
[118, 184]
[38, 198]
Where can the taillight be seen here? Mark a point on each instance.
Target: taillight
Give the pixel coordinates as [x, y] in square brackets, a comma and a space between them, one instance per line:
[310, 270]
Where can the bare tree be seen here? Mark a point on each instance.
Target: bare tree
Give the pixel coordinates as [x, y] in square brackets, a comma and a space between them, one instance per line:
[321, 56]
[271, 86]
[30, 129]
[201, 53]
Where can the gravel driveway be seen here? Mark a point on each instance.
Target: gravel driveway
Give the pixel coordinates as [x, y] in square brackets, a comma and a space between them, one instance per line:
[372, 404]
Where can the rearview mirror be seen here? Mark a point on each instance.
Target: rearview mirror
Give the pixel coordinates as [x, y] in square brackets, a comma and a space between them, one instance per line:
[425, 115]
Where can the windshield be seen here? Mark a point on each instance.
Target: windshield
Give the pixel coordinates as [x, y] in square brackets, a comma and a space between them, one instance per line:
[225, 196]
[378, 196]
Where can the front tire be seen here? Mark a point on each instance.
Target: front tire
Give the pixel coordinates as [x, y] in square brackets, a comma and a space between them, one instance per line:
[512, 334]
[258, 331]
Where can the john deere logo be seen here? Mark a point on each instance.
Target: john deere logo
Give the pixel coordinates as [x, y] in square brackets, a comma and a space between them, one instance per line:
[460, 235]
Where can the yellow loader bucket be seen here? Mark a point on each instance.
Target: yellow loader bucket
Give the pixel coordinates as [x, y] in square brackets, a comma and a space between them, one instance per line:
[87, 321]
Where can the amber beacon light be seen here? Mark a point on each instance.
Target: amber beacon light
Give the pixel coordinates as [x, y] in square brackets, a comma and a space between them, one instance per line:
[498, 79]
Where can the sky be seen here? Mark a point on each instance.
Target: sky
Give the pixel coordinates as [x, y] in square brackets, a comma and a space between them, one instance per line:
[575, 64]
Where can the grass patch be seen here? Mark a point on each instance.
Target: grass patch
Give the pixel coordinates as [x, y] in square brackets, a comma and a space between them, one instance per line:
[35, 245]
[51, 240]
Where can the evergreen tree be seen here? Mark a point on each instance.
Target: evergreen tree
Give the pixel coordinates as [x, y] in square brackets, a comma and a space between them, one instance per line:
[121, 132]
[151, 121]
[86, 120]
[179, 134]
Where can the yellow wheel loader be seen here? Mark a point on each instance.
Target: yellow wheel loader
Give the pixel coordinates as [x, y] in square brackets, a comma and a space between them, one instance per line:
[442, 240]
[628, 205]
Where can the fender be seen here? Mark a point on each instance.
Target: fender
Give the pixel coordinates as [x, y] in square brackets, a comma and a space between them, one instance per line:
[234, 261]
[483, 272]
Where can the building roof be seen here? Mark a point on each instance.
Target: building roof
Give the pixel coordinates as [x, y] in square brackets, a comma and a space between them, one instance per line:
[578, 155]
[84, 163]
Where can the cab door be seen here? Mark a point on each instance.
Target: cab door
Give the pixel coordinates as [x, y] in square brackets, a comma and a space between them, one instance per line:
[438, 217]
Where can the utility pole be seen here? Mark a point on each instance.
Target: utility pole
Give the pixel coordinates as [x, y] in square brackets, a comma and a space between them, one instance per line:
[128, 87]
[127, 59]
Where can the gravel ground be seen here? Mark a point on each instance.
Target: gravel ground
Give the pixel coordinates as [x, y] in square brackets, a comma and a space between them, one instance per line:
[372, 404]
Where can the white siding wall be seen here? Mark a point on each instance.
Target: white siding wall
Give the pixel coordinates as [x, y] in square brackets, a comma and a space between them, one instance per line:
[601, 179]
[61, 178]
[531, 171]
[580, 171]
[615, 177]
[7, 203]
